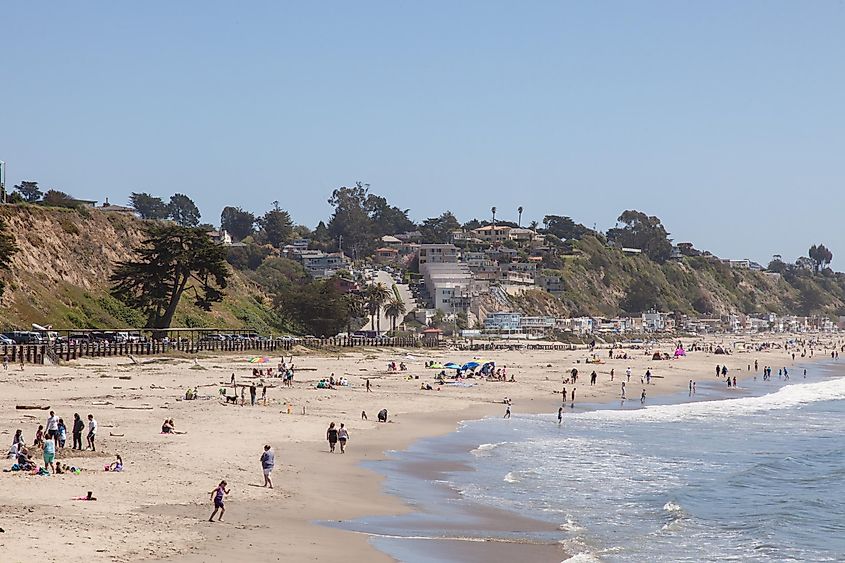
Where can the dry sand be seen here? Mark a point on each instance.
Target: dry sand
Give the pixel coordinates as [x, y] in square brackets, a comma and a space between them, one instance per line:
[157, 508]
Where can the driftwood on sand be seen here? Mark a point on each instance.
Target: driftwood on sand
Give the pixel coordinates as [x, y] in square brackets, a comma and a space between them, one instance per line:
[32, 407]
[137, 408]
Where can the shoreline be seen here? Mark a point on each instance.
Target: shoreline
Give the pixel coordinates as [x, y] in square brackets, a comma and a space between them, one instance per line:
[159, 505]
[420, 475]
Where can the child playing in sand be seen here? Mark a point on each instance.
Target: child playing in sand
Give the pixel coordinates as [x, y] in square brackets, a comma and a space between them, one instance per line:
[217, 495]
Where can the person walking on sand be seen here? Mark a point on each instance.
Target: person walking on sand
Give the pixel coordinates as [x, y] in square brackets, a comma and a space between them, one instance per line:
[572, 404]
[368, 386]
[78, 427]
[564, 396]
[92, 432]
[507, 411]
[217, 495]
[268, 461]
[628, 374]
[342, 437]
[331, 436]
[623, 389]
[560, 415]
[642, 398]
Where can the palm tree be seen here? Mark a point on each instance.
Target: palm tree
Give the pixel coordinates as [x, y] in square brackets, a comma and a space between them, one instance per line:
[493, 209]
[377, 295]
[519, 210]
[355, 309]
[394, 309]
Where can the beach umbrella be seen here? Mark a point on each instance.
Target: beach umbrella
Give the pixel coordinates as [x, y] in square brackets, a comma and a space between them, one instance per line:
[452, 365]
[471, 365]
[259, 360]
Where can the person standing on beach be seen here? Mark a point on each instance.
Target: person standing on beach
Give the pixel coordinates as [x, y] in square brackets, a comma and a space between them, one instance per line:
[572, 404]
[368, 386]
[593, 377]
[642, 398]
[92, 432]
[50, 454]
[331, 436]
[78, 427]
[611, 374]
[560, 415]
[268, 461]
[52, 425]
[342, 437]
[628, 374]
[6, 362]
[623, 389]
[690, 387]
[693, 387]
[252, 392]
[507, 411]
[718, 370]
[564, 396]
[217, 495]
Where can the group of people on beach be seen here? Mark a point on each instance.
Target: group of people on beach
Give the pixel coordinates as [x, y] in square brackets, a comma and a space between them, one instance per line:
[48, 440]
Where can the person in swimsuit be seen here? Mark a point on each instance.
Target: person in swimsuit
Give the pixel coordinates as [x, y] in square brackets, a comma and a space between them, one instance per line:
[217, 495]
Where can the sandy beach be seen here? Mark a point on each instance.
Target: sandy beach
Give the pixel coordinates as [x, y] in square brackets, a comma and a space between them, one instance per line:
[158, 507]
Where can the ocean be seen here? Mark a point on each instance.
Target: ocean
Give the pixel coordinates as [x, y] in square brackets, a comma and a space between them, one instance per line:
[757, 476]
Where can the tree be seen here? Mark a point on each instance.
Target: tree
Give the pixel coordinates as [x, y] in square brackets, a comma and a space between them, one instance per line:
[183, 211]
[438, 230]
[29, 191]
[148, 206]
[237, 222]
[642, 232]
[356, 308]
[377, 295]
[394, 309]
[350, 221]
[777, 266]
[519, 221]
[641, 295]
[171, 261]
[277, 226]
[318, 307]
[387, 219]
[563, 228]
[55, 198]
[493, 211]
[8, 248]
[820, 256]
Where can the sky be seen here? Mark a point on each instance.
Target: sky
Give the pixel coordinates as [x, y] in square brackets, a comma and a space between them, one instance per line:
[725, 119]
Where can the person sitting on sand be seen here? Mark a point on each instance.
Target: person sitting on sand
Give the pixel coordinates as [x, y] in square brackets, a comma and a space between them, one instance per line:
[166, 428]
[25, 463]
[116, 465]
[14, 451]
[18, 439]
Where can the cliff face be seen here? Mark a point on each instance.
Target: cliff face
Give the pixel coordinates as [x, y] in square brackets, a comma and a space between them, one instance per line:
[603, 281]
[60, 276]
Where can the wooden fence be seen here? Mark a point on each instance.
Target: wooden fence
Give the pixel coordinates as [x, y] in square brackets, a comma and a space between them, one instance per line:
[36, 353]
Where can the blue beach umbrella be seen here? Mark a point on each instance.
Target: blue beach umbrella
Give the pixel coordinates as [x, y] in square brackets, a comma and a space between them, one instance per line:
[452, 365]
[471, 365]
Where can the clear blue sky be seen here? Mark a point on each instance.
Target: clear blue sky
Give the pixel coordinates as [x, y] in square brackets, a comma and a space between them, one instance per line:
[726, 119]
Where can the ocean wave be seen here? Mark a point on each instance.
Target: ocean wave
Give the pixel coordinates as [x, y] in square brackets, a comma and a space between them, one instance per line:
[786, 397]
[484, 449]
[512, 477]
[570, 525]
[583, 557]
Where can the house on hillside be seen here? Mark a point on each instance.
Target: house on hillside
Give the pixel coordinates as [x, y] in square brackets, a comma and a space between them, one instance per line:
[111, 208]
